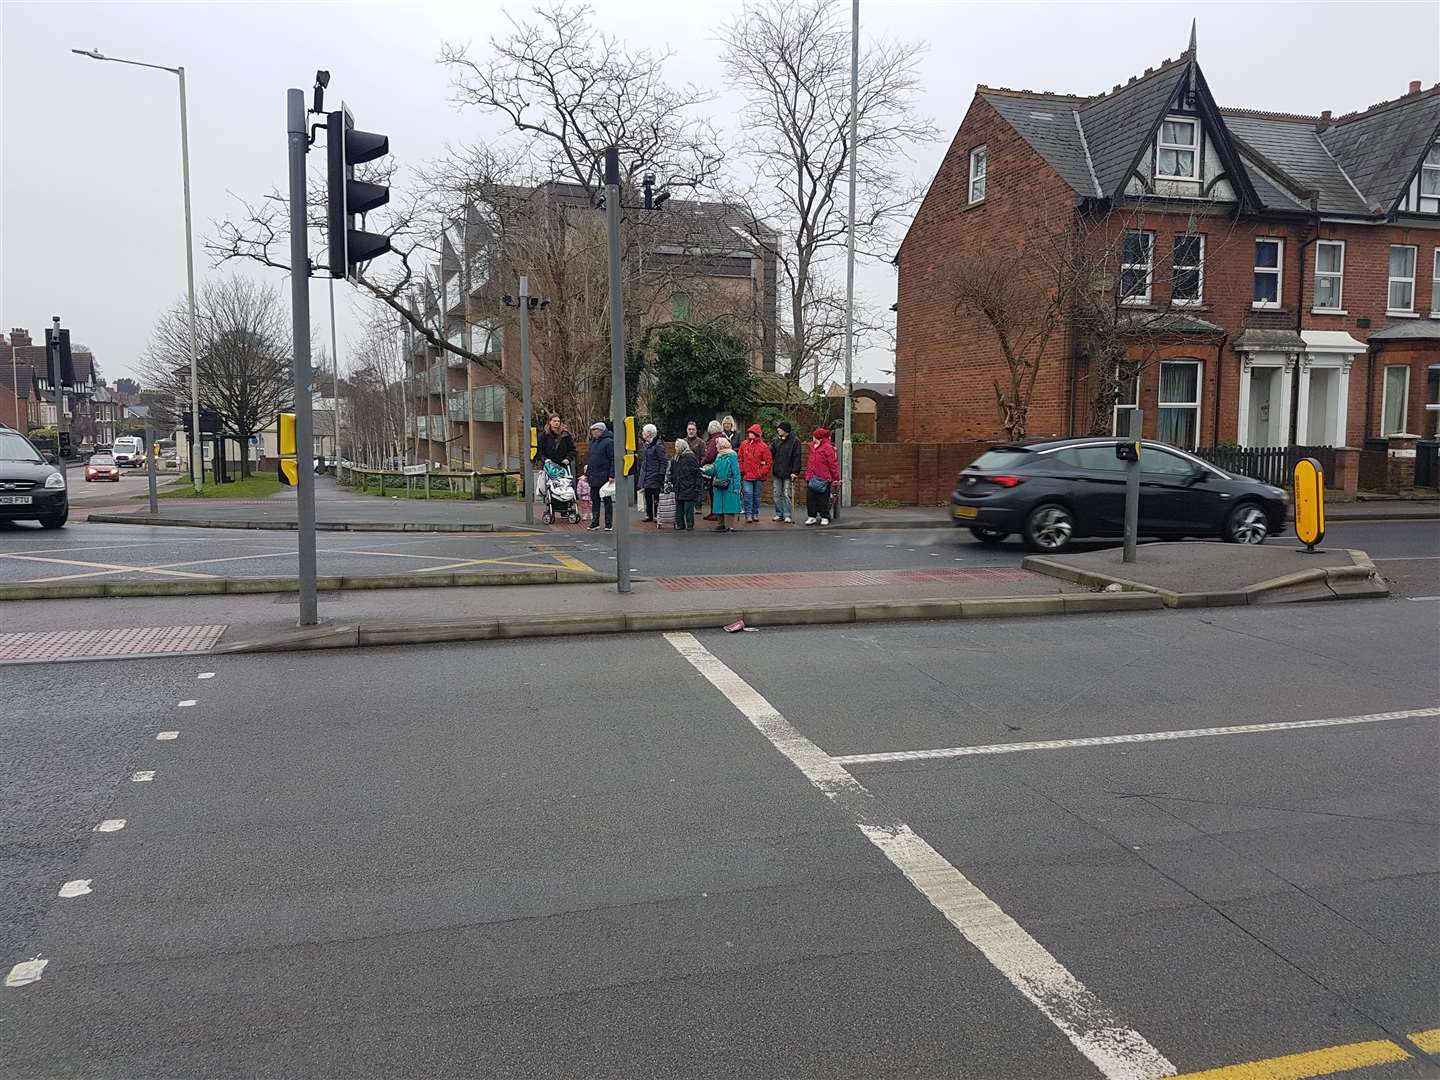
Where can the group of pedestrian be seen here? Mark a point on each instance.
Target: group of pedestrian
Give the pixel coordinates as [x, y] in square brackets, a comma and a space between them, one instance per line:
[722, 469]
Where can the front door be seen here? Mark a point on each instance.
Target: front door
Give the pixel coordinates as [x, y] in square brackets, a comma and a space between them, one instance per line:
[1266, 423]
[1322, 408]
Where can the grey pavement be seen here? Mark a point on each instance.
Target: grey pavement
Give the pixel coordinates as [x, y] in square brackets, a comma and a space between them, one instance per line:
[577, 858]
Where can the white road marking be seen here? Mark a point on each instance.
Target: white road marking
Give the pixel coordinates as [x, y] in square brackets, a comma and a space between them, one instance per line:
[114, 824]
[1422, 598]
[1143, 737]
[186, 703]
[143, 776]
[78, 887]
[1118, 1051]
[206, 675]
[166, 736]
[26, 972]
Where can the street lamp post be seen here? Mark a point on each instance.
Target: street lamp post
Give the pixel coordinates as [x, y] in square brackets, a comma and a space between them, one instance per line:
[847, 474]
[197, 463]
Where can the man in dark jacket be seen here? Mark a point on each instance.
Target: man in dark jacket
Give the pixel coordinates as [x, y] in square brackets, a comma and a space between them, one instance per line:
[786, 452]
[697, 444]
[600, 470]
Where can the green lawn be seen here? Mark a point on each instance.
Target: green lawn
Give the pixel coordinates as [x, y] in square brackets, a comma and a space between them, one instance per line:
[252, 487]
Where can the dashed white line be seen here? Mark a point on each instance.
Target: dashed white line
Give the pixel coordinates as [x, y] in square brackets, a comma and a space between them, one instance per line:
[1118, 1051]
[166, 736]
[1116, 740]
[78, 887]
[187, 703]
[114, 824]
[206, 675]
[26, 972]
[143, 776]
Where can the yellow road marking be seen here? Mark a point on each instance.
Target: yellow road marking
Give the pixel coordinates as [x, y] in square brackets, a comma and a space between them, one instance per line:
[567, 562]
[487, 562]
[109, 568]
[1333, 1059]
[1429, 1041]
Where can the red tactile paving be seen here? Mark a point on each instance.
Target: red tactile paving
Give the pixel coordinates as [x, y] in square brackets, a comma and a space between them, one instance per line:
[822, 579]
[100, 644]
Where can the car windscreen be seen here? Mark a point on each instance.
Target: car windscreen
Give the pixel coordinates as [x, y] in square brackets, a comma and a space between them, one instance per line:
[15, 447]
[101, 459]
[1004, 457]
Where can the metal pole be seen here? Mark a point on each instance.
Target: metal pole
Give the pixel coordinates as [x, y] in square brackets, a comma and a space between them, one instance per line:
[300, 314]
[847, 466]
[150, 479]
[335, 357]
[52, 357]
[617, 369]
[197, 467]
[527, 471]
[1132, 493]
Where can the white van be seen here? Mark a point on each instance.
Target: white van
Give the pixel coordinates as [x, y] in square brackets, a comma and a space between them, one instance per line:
[129, 451]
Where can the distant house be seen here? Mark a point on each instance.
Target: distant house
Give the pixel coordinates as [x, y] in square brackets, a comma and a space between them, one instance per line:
[1293, 261]
[18, 351]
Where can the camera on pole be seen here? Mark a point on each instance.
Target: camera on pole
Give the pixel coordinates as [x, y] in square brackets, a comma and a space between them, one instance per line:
[346, 147]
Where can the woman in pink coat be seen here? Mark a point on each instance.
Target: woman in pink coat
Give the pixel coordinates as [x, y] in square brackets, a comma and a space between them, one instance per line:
[821, 470]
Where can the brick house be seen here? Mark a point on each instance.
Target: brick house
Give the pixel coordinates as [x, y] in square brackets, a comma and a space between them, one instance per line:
[35, 404]
[1292, 263]
[702, 263]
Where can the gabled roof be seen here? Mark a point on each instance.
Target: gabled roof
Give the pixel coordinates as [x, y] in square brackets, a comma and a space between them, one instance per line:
[1381, 147]
[1357, 165]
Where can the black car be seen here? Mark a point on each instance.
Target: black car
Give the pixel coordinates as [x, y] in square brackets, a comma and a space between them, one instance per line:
[31, 489]
[1057, 490]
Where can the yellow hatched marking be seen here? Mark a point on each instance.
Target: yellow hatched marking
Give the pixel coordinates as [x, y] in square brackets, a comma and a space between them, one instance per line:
[109, 568]
[1333, 1059]
[1429, 1041]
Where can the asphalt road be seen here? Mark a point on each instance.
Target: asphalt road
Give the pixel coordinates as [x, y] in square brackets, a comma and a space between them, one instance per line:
[593, 857]
[132, 483]
[147, 552]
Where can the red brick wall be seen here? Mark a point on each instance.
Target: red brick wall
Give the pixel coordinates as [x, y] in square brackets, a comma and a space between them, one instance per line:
[946, 361]
[915, 474]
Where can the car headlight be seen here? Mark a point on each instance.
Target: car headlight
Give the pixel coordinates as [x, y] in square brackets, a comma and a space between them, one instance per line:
[55, 480]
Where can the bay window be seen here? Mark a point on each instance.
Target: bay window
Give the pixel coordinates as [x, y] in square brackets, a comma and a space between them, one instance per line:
[1395, 401]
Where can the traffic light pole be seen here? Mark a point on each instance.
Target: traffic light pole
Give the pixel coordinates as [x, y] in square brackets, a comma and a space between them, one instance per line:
[1132, 493]
[617, 371]
[300, 312]
[57, 376]
[527, 472]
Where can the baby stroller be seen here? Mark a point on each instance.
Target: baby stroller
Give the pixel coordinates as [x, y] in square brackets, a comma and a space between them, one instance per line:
[559, 493]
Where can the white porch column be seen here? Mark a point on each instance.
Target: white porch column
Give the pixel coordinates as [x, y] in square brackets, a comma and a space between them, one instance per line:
[1302, 416]
[1242, 420]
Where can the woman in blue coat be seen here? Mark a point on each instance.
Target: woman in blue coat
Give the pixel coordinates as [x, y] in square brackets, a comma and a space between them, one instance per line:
[725, 484]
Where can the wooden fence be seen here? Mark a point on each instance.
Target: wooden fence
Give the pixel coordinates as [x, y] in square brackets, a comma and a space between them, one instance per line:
[439, 483]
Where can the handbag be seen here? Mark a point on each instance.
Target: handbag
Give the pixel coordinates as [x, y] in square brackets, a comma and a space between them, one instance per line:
[607, 489]
[818, 484]
[721, 483]
[665, 509]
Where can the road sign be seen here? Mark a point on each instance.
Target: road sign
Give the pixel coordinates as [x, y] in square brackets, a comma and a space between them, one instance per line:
[415, 470]
[1309, 502]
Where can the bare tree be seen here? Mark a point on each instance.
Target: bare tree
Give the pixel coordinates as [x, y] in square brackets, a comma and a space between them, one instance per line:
[243, 357]
[792, 63]
[375, 410]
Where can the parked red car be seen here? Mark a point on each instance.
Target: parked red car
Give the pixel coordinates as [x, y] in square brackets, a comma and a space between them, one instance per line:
[102, 467]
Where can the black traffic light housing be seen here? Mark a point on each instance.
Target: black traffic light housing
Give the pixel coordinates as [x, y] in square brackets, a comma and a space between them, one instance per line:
[58, 356]
[346, 148]
[1127, 451]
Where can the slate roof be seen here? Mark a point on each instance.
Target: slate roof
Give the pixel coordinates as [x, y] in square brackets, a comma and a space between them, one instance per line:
[1358, 164]
[1408, 330]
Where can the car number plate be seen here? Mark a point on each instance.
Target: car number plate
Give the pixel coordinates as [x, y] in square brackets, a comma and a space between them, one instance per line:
[967, 511]
[15, 500]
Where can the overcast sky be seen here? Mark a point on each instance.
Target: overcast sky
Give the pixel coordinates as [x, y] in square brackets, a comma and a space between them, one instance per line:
[90, 208]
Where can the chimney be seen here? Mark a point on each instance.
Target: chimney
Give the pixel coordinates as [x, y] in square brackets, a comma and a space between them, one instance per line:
[1324, 119]
[19, 336]
[1414, 86]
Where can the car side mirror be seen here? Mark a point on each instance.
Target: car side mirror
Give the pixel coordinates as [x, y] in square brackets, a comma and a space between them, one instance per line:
[1198, 476]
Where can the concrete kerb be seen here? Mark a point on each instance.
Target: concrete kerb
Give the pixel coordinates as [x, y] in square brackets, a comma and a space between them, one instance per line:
[76, 590]
[281, 525]
[488, 628]
[1358, 580]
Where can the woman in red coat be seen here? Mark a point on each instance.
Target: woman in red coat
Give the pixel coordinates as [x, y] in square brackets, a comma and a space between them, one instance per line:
[821, 471]
[755, 462]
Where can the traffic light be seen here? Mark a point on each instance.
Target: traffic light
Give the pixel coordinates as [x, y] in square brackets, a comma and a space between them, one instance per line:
[346, 148]
[287, 467]
[1127, 451]
[66, 361]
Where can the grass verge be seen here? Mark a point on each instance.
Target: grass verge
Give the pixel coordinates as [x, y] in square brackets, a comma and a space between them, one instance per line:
[251, 487]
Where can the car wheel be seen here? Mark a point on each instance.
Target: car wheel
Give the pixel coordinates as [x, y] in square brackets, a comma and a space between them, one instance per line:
[988, 536]
[1049, 528]
[1247, 524]
[55, 522]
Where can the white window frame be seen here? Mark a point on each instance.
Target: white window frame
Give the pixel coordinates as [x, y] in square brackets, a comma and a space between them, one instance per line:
[1385, 398]
[1124, 406]
[1193, 147]
[1339, 275]
[1160, 406]
[1199, 269]
[1435, 286]
[1391, 279]
[1149, 266]
[980, 156]
[1428, 166]
[1278, 270]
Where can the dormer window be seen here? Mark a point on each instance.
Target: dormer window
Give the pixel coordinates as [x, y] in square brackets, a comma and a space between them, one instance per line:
[1430, 174]
[1176, 156]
